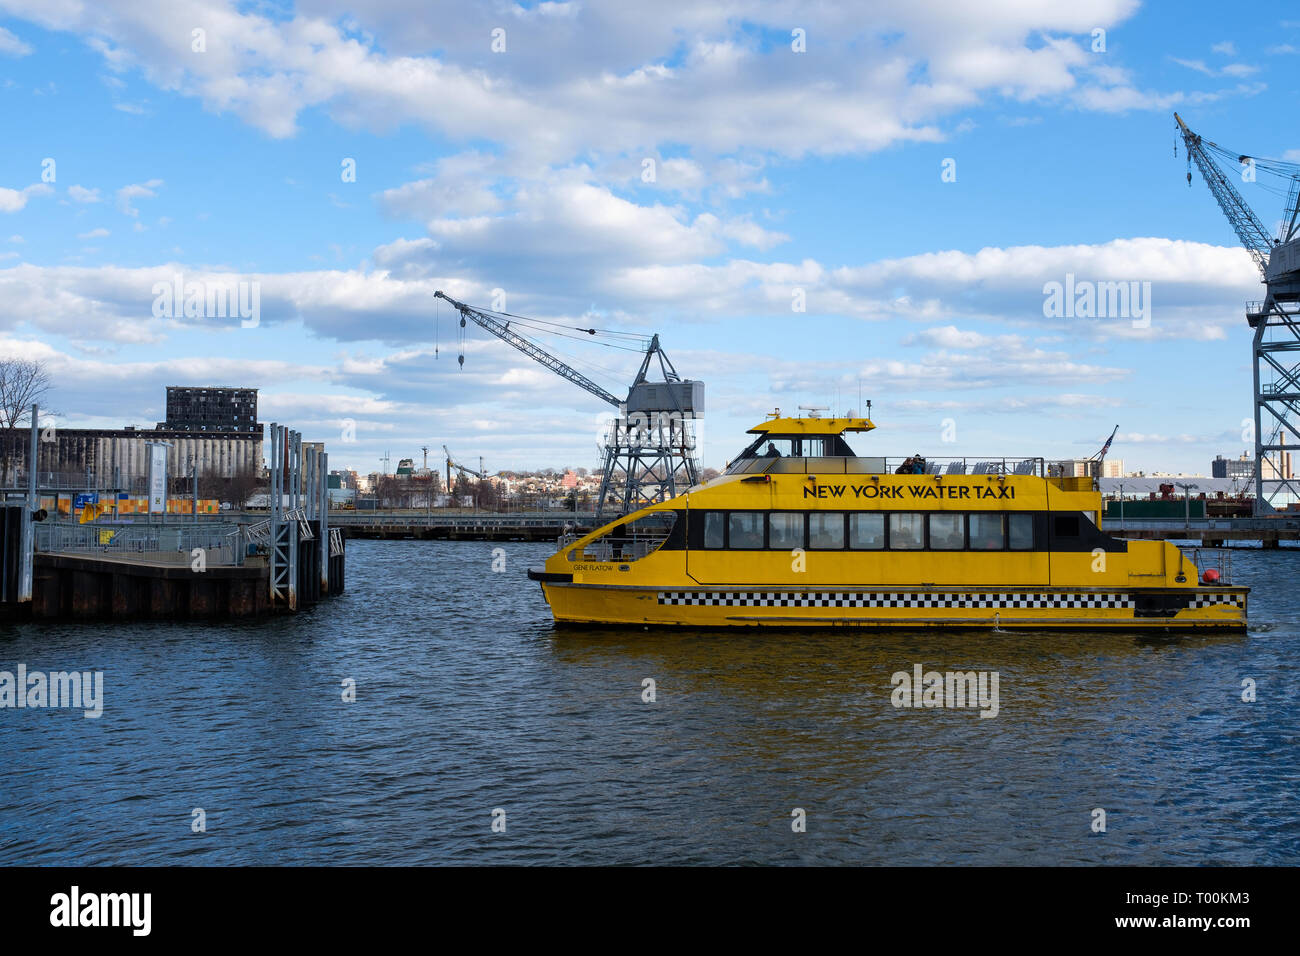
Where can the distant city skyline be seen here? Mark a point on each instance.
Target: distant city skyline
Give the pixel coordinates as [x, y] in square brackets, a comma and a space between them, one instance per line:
[971, 216]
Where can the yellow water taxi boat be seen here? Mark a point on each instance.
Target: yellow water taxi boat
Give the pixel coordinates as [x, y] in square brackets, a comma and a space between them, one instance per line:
[800, 531]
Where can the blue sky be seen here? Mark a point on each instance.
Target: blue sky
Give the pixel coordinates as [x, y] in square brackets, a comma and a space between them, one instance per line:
[521, 170]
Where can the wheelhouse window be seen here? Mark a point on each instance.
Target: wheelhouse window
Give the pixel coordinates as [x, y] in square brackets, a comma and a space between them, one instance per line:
[906, 532]
[826, 531]
[867, 531]
[785, 530]
[1021, 531]
[745, 530]
[987, 532]
[947, 532]
[768, 448]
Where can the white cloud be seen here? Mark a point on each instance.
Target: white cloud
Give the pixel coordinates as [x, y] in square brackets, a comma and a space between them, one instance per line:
[977, 327]
[690, 73]
[136, 191]
[10, 45]
[83, 195]
[1196, 291]
[13, 200]
[1231, 69]
[93, 234]
[562, 225]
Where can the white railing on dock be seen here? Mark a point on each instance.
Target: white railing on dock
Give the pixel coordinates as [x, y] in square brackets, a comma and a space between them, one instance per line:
[221, 543]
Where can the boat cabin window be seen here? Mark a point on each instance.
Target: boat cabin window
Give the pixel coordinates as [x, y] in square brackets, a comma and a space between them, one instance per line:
[906, 532]
[785, 530]
[745, 530]
[947, 532]
[826, 531]
[1022, 532]
[714, 529]
[862, 531]
[866, 531]
[987, 531]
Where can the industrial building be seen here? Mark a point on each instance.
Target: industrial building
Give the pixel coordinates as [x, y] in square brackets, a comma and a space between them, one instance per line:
[1082, 467]
[211, 409]
[216, 428]
[1244, 467]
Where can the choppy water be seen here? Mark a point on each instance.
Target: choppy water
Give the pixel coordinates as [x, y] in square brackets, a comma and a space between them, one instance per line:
[468, 700]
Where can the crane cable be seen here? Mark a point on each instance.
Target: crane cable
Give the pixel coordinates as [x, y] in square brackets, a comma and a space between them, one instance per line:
[617, 377]
[563, 325]
[578, 338]
[532, 325]
[1280, 168]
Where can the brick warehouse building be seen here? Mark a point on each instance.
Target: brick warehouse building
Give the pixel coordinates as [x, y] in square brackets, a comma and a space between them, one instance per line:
[216, 425]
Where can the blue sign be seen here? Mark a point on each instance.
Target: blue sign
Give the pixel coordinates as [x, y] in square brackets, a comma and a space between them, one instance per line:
[80, 501]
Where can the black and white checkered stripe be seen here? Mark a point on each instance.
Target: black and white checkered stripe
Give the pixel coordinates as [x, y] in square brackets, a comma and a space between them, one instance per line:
[915, 599]
[1210, 600]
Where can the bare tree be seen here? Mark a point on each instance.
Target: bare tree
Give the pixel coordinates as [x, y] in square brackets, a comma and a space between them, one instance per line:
[22, 382]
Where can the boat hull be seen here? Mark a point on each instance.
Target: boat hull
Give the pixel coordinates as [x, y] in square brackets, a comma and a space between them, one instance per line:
[1039, 608]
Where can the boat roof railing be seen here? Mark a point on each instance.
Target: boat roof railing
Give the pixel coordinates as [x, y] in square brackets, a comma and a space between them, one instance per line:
[866, 465]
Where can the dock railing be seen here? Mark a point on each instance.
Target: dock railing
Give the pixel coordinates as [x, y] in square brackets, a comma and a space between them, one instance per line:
[221, 543]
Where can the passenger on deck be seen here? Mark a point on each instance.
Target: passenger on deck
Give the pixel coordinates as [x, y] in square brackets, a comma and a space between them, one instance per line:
[918, 465]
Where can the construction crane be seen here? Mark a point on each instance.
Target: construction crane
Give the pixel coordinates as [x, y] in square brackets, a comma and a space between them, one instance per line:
[649, 449]
[480, 474]
[1276, 319]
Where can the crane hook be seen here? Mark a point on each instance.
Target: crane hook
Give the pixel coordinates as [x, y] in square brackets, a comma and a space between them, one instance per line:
[461, 360]
[1189, 179]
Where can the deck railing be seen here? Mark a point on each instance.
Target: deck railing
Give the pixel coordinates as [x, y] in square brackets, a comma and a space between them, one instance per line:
[1211, 559]
[222, 543]
[630, 541]
[866, 465]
